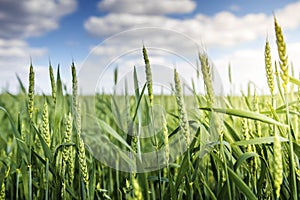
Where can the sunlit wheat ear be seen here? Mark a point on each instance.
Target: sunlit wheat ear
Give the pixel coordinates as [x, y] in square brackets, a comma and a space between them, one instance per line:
[278, 168]
[166, 140]
[281, 47]
[31, 92]
[82, 162]
[268, 66]
[183, 119]
[206, 73]
[148, 76]
[45, 125]
[53, 84]
[137, 190]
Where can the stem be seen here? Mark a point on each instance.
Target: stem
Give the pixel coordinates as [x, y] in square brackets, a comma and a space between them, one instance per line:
[138, 143]
[291, 152]
[225, 165]
[47, 179]
[30, 164]
[29, 182]
[156, 151]
[17, 183]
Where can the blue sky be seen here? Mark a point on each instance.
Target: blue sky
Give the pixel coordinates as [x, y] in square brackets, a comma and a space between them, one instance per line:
[232, 31]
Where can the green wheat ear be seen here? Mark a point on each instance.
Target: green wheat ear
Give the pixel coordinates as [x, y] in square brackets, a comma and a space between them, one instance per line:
[45, 125]
[148, 76]
[268, 66]
[183, 119]
[53, 84]
[82, 162]
[206, 72]
[68, 135]
[74, 89]
[31, 92]
[278, 168]
[166, 139]
[281, 47]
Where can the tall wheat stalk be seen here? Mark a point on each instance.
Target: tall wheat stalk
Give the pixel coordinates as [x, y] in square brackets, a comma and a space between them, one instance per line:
[281, 46]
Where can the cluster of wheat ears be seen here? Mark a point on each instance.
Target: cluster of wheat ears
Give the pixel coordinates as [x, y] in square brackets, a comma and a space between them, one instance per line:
[255, 154]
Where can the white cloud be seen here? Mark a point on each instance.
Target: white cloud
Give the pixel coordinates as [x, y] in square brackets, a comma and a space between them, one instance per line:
[15, 48]
[20, 19]
[144, 7]
[223, 29]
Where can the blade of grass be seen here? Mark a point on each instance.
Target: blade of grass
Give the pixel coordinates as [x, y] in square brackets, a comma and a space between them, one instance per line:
[246, 114]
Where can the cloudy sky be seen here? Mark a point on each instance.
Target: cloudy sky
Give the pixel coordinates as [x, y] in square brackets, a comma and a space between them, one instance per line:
[100, 35]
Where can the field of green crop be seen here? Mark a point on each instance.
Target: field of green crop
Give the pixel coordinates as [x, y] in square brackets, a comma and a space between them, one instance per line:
[247, 147]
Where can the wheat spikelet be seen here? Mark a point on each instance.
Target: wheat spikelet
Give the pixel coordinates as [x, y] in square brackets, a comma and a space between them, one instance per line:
[71, 162]
[82, 162]
[68, 135]
[268, 66]
[148, 76]
[53, 85]
[206, 72]
[166, 140]
[31, 92]
[278, 168]
[246, 132]
[45, 125]
[66, 153]
[74, 89]
[181, 108]
[281, 47]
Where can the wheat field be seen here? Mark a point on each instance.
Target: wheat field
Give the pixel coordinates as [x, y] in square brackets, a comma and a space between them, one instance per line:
[247, 149]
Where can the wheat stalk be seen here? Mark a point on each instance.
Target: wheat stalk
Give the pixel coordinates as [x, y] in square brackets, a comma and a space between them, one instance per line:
[183, 119]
